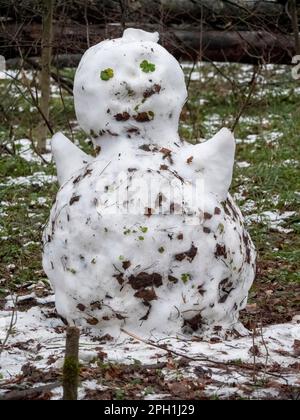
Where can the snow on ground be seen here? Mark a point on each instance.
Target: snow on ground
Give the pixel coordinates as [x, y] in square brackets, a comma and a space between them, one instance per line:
[291, 162]
[268, 137]
[249, 206]
[200, 73]
[25, 150]
[2, 213]
[273, 219]
[243, 165]
[212, 121]
[257, 366]
[38, 178]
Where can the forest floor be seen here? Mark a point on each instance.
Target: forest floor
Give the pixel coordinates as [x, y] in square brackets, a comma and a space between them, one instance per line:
[267, 188]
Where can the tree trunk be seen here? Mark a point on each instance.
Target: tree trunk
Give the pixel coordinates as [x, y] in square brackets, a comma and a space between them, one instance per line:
[45, 73]
[71, 365]
[295, 23]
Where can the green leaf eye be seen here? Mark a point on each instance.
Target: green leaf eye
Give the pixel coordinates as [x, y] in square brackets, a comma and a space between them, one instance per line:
[185, 277]
[107, 74]
[147, 67]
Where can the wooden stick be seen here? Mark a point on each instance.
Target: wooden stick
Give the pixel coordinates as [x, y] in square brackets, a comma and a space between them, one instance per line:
[29, 393]
[71, 365]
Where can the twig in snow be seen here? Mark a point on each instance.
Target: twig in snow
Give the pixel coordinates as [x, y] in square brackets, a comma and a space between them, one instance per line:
[254, 353]
[199, 359]
[168, 350]
[265, 346]
[13, 321]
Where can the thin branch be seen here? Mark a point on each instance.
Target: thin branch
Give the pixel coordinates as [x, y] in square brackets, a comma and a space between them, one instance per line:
[35, 102]
[198, 359]
[66, 84]
[168, 350]
[13, 322]
[37, 152]
[244, 106]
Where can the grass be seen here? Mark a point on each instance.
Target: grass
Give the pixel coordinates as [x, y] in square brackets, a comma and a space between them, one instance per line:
[271, 180]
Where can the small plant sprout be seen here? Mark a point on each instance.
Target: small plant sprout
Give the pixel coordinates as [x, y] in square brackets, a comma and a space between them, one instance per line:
[147, 67]
[107, 74]
[185, 277]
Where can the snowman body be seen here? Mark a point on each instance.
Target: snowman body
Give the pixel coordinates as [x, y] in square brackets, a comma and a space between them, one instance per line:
[145, 236]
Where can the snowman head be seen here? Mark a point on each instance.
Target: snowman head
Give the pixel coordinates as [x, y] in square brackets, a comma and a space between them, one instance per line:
[129, 86]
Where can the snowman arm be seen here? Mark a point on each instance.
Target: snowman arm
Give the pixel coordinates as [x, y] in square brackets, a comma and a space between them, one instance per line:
[68, 157]
[215, 160]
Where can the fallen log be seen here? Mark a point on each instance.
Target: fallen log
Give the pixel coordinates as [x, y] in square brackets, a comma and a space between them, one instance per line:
[239, 14]
[233, 46]
[30, 393]
[240, 46]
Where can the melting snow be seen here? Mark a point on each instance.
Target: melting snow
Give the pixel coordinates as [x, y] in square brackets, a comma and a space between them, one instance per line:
[243, 164]
[273, 219]
[291, 162]
[38, 178]
[274, 348]
[252, 138]
[25, 150]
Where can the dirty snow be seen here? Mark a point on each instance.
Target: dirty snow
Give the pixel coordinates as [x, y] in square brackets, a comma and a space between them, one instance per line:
[39, 339]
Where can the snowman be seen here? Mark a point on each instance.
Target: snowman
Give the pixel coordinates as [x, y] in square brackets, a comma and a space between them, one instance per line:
[145, 236]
